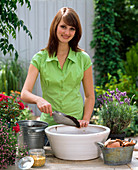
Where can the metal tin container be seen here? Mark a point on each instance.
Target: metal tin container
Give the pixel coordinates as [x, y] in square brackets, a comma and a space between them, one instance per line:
[32, 133]
[116, 156]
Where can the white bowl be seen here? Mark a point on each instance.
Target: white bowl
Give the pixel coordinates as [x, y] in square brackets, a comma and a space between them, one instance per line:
[71, 143]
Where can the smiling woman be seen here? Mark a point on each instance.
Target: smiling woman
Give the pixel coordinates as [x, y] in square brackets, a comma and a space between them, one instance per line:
[62, 65]
[65, 32]
[66, 18]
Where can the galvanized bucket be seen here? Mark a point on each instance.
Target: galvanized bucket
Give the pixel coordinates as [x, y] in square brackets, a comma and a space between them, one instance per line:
[32, 133]
[116, 156]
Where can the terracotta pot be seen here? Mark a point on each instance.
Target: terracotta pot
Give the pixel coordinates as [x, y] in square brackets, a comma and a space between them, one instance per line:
[114, 145]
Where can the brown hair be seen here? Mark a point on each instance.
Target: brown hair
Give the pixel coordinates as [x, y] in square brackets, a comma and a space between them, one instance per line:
[71, 18]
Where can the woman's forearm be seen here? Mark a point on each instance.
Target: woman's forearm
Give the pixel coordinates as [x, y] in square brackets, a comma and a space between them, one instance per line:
[88, 107]
[29, 97]
[26, 93]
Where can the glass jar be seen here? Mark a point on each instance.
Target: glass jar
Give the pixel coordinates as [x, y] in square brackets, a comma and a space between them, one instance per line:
[39, 157]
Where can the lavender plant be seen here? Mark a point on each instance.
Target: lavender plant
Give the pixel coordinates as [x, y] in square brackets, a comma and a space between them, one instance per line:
[116, 111]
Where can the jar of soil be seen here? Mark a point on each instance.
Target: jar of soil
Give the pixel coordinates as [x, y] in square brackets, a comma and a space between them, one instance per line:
[39, 157]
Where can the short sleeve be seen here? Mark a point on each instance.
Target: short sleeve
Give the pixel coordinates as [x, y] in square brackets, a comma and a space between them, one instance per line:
[87, 61]
[36, 61]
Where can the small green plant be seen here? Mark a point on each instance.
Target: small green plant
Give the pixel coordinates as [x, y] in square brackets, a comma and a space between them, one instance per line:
[12, 75]
[131, 64]
[116, 111]
[132, 129]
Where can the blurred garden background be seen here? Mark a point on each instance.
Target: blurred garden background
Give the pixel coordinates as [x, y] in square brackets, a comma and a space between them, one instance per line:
[110, 37]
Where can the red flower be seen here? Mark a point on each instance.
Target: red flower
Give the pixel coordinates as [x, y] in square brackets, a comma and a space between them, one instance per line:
[2, 97]
[16, 128]
[21, 105]
[6, 98]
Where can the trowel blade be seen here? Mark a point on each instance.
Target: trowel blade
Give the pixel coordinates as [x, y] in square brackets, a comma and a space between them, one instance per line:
[62, 118]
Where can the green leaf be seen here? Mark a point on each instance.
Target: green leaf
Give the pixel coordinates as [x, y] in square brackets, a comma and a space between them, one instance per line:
[9, 22]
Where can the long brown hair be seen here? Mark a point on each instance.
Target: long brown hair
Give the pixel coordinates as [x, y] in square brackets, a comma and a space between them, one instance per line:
[71, 18]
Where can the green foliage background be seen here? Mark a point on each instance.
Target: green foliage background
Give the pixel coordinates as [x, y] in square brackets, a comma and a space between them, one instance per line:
[9, 23]
[114, 33]
[105, 41]
[12, 75]
[131, 63]
[126, 22]
[12, 72]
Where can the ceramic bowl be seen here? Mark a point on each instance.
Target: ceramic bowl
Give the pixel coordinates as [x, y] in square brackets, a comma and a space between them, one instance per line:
[71, 143]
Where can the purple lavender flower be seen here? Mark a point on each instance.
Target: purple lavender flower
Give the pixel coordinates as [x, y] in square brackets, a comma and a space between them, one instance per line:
[112, 92]
[106, 94]
[122, 94]
[104, 98]
[98, 99]
[110, 99]
[100, 105]
[108, 90]
[117, 97]
[100, 96]
[117, 90]
[121, 103]
[126, 100]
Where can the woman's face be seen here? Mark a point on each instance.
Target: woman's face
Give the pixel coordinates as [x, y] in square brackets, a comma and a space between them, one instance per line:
[65, 32]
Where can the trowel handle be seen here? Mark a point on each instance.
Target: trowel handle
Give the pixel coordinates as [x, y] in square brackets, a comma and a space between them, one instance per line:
[101, 145]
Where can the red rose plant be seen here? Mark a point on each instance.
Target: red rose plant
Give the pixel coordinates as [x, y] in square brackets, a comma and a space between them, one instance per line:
[11, 107]
[16, 128]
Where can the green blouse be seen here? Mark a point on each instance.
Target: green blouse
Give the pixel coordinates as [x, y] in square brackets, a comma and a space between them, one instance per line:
[61, 87]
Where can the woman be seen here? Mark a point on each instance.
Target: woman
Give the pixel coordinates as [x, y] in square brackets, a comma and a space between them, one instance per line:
[62, 66]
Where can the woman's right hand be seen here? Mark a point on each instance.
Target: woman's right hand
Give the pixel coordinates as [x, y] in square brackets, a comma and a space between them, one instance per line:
[44, 106]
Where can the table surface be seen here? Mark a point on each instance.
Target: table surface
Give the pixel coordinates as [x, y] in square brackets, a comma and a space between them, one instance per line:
[53, 163]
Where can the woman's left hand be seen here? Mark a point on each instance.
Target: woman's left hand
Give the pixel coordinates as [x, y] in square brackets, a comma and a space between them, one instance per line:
[83, 123]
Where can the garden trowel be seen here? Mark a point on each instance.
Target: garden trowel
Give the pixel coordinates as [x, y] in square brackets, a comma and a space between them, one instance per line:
[62, 118]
